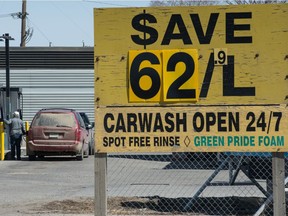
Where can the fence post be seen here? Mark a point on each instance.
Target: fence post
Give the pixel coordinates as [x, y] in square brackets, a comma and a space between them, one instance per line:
[2, 141]
[278, 171]
[100, 167]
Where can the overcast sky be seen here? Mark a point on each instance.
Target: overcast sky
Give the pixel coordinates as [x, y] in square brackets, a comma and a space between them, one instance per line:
[56, 23]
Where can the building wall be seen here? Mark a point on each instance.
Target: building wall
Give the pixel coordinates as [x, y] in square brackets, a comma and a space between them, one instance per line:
[51, 77]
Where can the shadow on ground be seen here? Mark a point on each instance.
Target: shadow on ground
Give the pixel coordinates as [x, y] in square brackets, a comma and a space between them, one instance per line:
[159, 206]
[204, 206]
[187, 160]
[44, 158]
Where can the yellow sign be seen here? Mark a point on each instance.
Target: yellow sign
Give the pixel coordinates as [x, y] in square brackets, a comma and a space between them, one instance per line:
[163, 76]
[192, 129]
[220, 56]
[198, 79]
[241, 59]
[180, 76]
[145, 75]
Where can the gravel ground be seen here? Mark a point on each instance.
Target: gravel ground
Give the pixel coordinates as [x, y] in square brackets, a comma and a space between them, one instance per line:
[118, 206]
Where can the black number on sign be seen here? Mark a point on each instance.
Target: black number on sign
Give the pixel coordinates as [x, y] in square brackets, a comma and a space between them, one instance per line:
[221, 57]
[251, 116]
[174, 90]
[261, 121]
[278, 115]
[136, 75]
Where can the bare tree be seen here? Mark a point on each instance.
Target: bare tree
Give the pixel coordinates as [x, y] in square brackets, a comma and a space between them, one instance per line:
[255, 1]
[209, 2]
[183, 2]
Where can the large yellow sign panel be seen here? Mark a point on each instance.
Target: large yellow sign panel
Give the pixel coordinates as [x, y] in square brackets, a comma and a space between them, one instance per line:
[242, 55]
[197, 79]
[192, 129]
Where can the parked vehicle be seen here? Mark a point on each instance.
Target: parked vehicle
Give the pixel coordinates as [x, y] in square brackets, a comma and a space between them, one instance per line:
[90, 128]
[57, 131]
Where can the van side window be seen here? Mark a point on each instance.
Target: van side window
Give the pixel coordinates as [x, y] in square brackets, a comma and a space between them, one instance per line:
[79, 118]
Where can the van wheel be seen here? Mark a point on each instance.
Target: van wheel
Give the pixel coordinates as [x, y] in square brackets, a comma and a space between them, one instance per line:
[32, 157]
[81, 155]
[41, 157]
[86, 155]
[91, 148]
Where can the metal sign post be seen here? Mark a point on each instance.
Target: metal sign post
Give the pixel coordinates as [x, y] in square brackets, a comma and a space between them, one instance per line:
[7, 38]
[100, 168]
[278, 171]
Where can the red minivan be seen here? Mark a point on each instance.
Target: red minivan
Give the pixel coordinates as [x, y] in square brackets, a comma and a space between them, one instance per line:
[57, 131]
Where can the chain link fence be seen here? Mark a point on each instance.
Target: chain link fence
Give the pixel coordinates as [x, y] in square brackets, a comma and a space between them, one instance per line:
[191, 184]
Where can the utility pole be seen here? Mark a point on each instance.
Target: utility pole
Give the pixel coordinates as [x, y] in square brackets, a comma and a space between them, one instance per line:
[23, 24]
[7, 38]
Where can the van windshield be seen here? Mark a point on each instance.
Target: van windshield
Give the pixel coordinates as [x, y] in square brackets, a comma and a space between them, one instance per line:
[55, 120]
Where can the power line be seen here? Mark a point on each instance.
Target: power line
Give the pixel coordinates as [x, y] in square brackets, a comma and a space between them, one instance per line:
[39, 30]
[14, 15]
[70, 19]
[106, 3]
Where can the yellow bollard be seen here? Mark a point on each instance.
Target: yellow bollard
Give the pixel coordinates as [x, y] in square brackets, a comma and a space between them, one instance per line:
[26, 136]
[26, 126]
[2, 144]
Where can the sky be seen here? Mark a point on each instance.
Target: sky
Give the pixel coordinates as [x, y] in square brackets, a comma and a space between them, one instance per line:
[56, 23]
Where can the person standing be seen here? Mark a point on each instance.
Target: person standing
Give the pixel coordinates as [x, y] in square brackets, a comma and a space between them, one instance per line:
[17, 129]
